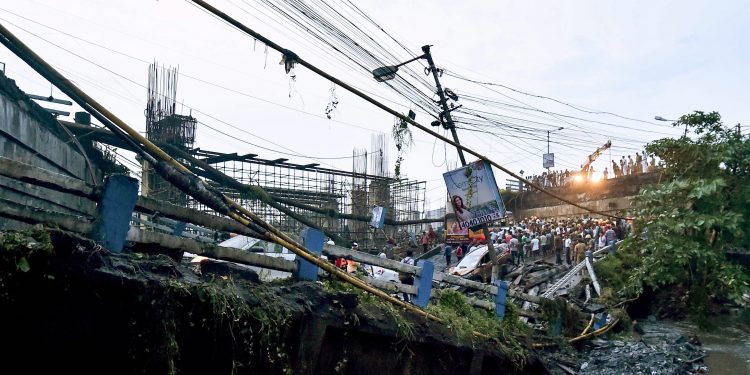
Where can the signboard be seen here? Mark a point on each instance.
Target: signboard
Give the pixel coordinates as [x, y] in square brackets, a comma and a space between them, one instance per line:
[455, 234]
[548, 160]
[474, 195]
[378, 217]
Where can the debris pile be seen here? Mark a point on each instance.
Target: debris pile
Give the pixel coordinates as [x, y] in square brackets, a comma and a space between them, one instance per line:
[662, 353]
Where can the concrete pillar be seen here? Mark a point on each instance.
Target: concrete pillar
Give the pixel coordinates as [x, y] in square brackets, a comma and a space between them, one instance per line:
[424, 283]
[312, 239]
[600, 320]
[501, 298]
[179, 228]
[115, 212]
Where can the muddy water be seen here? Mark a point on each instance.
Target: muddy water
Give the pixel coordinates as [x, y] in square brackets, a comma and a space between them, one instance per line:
[727, 348]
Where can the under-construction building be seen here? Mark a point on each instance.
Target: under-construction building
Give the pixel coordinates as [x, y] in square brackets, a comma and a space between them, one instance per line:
[164, 125]
[343, 192]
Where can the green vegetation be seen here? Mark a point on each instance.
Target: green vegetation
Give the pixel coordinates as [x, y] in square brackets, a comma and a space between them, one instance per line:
[404, 325]
[22, 247]
[684, 226]
[460, 317]
[464, 320]
[611, 269]
[253, 319]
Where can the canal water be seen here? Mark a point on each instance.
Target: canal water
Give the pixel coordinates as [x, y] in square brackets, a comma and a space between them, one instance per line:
[727, 347]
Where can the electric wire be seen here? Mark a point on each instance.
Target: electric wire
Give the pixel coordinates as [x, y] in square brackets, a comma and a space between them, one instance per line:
[196, 109]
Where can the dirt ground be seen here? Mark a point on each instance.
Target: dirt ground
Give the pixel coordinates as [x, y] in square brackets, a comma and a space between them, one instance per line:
[68, 304]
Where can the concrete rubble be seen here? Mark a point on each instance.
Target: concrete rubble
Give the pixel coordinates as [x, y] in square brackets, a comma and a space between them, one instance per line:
[657, 351]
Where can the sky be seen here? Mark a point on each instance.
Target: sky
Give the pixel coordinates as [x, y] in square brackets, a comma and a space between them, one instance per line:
[635, 59]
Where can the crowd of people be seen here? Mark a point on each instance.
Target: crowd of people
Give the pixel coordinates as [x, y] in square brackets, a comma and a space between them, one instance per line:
[639, 164]
[565, 239]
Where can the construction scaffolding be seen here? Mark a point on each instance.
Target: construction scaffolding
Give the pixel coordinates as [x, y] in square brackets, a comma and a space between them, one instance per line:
[164, 125]
[344, 192]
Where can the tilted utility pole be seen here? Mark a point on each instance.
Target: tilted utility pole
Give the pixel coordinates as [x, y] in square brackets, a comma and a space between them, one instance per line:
[446, 116]
[443, 102]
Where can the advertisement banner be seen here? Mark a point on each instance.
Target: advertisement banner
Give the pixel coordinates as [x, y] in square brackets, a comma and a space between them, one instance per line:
[378, 217]
[456, 235]
[474, 196]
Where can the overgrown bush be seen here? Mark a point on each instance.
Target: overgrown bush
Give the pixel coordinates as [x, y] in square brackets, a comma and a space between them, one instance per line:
[684, 226]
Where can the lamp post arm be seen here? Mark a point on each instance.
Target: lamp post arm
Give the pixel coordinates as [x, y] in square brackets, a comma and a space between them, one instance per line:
[408, 61]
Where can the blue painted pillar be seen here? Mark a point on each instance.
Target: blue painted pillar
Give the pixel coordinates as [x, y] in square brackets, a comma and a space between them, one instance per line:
[600, 320]
[424, 283]
[312, 239]
[500, 298]
[179, 228]
[613, 249]
[115, 212]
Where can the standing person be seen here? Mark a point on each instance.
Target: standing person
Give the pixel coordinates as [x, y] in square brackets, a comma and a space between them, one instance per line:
[638, 166]
[566, 248]
[431, 236]
[631, 166]
[424, 240]
[550, 243]
[514, 246]
[623, 167]
[580, 250]
[542, 243]
[526, 248]
[558, 248]
[406, 278]
[601, 241]
[534, 247]
[609, 234]
[459, 253]
[448, 252]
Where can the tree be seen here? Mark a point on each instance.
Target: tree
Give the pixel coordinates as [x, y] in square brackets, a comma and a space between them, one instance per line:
[684, 226]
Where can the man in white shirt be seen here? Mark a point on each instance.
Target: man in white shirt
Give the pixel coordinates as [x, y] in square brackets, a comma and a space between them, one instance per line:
[566, 248]
[534, 247]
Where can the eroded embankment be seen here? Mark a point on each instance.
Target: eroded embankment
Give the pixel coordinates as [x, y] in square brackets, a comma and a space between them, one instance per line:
[69, 306]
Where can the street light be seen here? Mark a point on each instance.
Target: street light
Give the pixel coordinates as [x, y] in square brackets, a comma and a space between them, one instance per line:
[387, 73]
[659, 118]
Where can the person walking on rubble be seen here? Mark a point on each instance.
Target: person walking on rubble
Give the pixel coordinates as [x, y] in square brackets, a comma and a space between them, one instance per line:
[424, 241]
[447, 252]
[580, 249]
[406, 278]
[431, 237]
